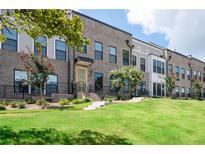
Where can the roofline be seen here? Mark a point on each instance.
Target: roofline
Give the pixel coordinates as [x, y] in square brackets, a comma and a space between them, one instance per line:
[148, 43]
[96, 20]
[186, 56]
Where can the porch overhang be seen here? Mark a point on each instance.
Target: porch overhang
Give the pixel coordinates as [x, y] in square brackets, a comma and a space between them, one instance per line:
[81, 60]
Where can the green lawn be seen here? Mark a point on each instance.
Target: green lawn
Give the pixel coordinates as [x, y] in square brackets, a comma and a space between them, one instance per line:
[155, 121]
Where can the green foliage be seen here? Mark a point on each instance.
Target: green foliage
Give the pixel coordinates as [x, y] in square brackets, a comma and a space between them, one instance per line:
[196, 89]
[30, 101]
[129, 73]
[2, 107]
[64, 101]
[21, 105]
[87, 99]
[170, 84]
[4, 103]
[110, 98]
[14, 104]
[77, 101]
[57, 23]
[43, 103]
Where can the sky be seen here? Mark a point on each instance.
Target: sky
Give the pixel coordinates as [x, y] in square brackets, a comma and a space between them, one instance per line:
[182, 30]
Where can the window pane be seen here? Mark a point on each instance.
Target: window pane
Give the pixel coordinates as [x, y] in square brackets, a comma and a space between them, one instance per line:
[125, 57]
[162, 67]
[159, 67]
[98, 55]
[154, 65]
[42, 40]
[11, 34]
[18, 82]
[98, 81]
[52, 84]
[142, 64]
[134, 60]
[159, 89]
[20, 75]
[113, 55]
[98, 46]
[10, 45]
[52, 79]
[60, 45]
[113, 50]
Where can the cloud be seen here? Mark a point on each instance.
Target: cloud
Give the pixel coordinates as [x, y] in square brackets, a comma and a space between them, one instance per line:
[183, 29]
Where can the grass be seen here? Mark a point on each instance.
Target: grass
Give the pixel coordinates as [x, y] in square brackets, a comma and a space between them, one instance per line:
[155, 121]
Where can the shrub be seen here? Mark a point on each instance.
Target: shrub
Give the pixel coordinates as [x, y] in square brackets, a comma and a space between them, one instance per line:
[2, 107]
[109, 98]
[64, 101]
[21, 105]
[87, 99]
[4, 103]
[13, 104]
[43, 103]
[77, 101]
[30, 101]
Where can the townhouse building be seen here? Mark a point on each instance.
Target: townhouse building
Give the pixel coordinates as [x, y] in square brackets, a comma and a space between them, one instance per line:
[150, 59]
[75, 71]
[88, 71]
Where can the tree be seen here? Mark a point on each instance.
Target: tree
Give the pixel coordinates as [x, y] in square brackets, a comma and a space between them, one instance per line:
[196, 89]
[126, 73]
[38, 69]
[170, 83]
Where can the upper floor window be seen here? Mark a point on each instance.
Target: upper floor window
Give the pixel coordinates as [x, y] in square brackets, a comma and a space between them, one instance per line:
[84, 47]
[195, 75]
[199, 75]
[43, 41]
[159, 67]
[134, 60]
[204, 77]
[98, 50]
[182, 73]
[188, 74]
[125, 58]
[154, 65]
[60, 50]
[11, 39]
[142, 64]
[113, 55]
[162, 67]
[170, 69]
[177, 70]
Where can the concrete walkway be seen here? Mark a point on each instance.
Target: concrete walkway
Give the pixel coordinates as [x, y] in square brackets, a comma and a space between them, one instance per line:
[98, 104]
[95, 105]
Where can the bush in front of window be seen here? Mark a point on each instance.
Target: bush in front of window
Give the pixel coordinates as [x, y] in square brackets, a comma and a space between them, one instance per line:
[42, 103]
[64, 101]
[2, 107]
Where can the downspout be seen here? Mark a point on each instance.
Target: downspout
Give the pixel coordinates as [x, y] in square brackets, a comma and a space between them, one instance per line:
[130, 63]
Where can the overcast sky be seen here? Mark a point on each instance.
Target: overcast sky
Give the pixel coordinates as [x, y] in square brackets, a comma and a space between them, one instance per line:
[183, 30]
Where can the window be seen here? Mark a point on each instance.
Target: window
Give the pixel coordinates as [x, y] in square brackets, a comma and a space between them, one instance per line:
[183, 92]
[98, 50]
[159, 89]
[142, 64]
[204, 77]
[143, 88]
[98, 82]
[60, 50]
[11, 39]
[154, 89]
[162, 67]
[84, 46]
[154, 65]
[182, 73]
[113, 55]
[52, 84]
[112, 88]
[170, 69]
[177, 91]
[188, 74]
[159, 67]
[204, 92]
[134, 60]
[199, 75]
[163, 90]
[188, 92]
[125, 58]
[19, 77]
[43, 41]
[195, 75]
[177, 72]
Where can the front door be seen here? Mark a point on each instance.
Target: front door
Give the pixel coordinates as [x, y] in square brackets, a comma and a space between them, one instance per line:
[81, 78]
